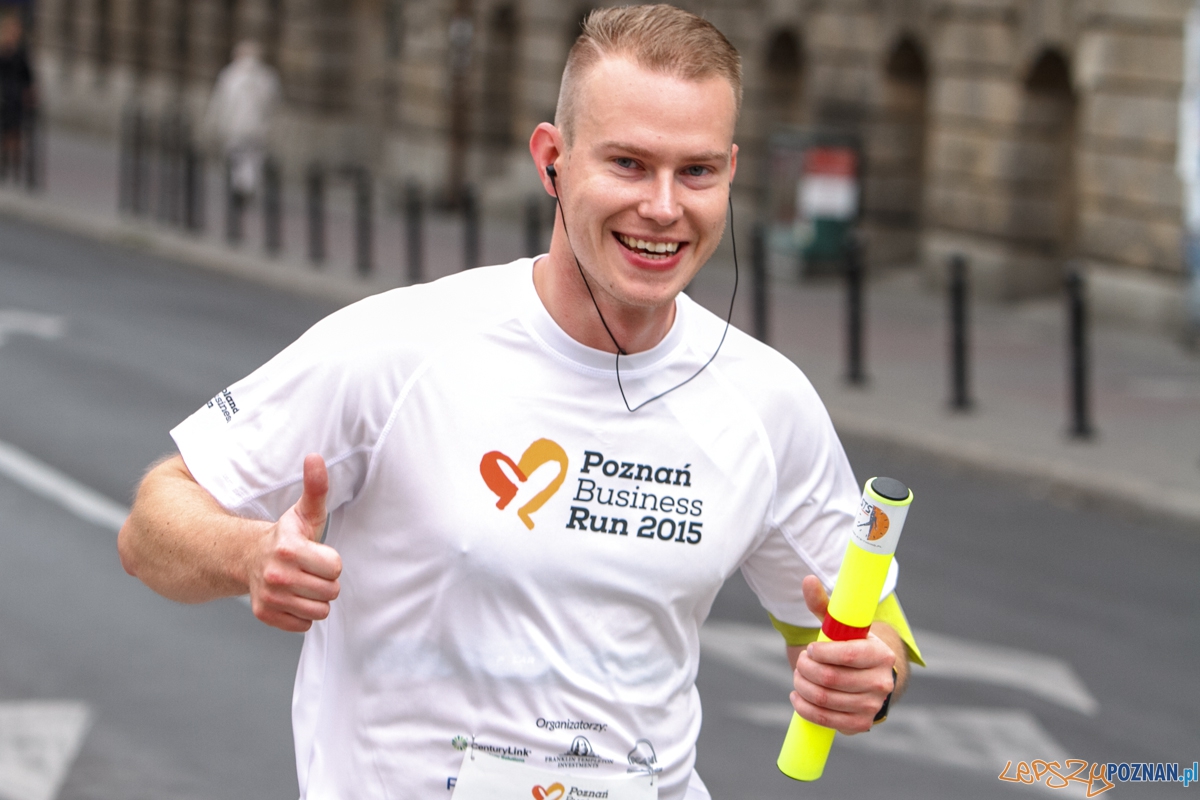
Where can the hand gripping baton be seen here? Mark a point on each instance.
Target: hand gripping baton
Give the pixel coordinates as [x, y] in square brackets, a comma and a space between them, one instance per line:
[851, 608]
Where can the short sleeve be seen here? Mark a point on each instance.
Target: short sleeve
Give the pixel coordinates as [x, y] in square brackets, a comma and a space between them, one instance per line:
[816, 499]
[327, 393]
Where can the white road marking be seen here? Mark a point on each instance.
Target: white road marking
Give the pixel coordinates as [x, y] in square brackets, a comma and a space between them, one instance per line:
[981, 740]
[759, 651]
[38, 743]
[82, 501]
[1042, 676]
[42, 479]
[30, 323]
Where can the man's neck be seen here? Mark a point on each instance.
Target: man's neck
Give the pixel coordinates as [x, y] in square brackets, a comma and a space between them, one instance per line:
[565, 295]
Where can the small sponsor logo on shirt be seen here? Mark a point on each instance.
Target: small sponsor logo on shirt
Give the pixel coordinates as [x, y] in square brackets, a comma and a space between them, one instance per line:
[642, 758]
[580, 755]
[224, 403]
[507, 752]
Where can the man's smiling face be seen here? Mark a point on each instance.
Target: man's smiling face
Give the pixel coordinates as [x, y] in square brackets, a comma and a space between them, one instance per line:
[645, 179]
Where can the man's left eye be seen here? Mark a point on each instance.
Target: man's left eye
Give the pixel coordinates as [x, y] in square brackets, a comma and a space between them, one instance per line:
[696, 171]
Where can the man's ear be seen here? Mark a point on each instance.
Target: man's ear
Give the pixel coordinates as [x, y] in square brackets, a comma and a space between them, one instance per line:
[733, 164]
[546, 146]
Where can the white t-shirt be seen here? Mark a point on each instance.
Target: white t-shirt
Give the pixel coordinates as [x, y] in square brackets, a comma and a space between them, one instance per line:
[526, 564]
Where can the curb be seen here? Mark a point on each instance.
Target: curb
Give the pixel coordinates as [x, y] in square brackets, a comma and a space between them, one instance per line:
[149, 238]
[1102, 487]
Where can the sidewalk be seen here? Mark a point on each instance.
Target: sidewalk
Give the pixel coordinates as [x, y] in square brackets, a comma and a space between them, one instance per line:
[1146, 405]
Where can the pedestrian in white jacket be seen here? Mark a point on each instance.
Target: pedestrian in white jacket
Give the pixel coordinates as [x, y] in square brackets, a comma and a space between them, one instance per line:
[240, 113]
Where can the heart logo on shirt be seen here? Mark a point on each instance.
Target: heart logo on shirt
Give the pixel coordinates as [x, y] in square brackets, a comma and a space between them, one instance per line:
[554, 791]
[543, 451]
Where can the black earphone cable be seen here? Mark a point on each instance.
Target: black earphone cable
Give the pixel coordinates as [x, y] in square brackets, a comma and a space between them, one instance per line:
[553, 175]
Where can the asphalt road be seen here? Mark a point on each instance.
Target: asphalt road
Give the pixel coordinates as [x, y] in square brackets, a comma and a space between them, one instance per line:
[1062, 629]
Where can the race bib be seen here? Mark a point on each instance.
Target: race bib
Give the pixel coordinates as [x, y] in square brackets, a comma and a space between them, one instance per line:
[486, 777]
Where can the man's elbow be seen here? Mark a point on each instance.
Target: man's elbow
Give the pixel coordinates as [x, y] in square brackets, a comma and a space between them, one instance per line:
[125, 547]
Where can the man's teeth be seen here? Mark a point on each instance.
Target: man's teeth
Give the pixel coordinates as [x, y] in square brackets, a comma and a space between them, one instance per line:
[649, 247]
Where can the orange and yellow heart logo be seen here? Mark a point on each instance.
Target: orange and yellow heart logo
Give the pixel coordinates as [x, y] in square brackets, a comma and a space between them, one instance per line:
[543, 451]
[554, 791]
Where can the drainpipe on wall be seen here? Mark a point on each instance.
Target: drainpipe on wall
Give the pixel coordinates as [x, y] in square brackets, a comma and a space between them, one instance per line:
[1188, 167]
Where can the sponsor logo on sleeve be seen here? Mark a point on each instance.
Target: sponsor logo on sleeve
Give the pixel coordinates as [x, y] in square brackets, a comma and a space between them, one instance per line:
[225, 404]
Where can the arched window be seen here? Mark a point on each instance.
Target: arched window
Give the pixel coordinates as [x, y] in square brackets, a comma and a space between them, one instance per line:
[895, 190]
[141, 40]
[499, 78]
[1044, 208]
[784, 80]
[103, 39]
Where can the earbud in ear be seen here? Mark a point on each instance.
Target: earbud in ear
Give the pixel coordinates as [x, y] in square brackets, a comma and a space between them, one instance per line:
[551, 171]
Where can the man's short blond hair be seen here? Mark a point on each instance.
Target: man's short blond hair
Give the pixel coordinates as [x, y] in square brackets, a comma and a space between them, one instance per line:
[659, 38]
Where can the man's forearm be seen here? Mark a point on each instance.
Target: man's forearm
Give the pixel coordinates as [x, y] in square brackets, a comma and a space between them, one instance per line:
[181, 543]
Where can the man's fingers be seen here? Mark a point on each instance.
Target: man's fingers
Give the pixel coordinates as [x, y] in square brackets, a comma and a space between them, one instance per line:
[858, 654]
[815, 596]
[847, 723]
[311, 505]
[320, 560]
[274, 608]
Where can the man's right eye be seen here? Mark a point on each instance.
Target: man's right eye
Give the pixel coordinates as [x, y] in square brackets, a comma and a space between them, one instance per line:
[625, 163]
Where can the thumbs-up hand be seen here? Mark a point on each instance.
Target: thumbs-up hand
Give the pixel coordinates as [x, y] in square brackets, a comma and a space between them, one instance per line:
[292, 576]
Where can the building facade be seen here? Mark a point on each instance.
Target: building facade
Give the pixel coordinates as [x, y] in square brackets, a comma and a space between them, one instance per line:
[1020, 133]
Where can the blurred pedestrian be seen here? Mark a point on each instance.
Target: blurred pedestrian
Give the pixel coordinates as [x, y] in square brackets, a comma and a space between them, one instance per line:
[16, 93]
[240, 113]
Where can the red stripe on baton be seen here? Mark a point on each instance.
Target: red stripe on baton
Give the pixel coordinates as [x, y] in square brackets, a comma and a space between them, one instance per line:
[840, 632]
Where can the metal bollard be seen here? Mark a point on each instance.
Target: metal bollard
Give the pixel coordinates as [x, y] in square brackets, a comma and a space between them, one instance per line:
[413, 232]
[470, 213]
[125, 162]
[272, 207]
[362, 221]
[315, 190]
[957, 289]
[170, 172]
[136, 181]
[193, 189]
[234, 207]
[855, 370]
[1077, 345]
[32, 151]
[533, 225]
[758, 272]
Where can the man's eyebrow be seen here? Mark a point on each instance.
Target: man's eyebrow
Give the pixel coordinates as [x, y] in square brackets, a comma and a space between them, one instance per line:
[641, 152]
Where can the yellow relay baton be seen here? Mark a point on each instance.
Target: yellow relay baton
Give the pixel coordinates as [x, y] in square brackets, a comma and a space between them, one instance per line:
[869, 553]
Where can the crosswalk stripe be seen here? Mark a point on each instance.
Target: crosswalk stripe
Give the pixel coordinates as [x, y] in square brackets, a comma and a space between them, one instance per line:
[758, 650]
[38, 743]
[980, 740]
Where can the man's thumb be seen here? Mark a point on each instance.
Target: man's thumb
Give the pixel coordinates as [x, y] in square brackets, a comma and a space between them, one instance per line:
[815, 596]
[311, 505]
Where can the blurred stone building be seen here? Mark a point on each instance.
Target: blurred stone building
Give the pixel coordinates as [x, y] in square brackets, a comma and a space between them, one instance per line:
[1018, 132]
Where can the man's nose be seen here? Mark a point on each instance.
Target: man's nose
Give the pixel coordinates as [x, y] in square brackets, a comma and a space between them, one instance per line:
[662, 204]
